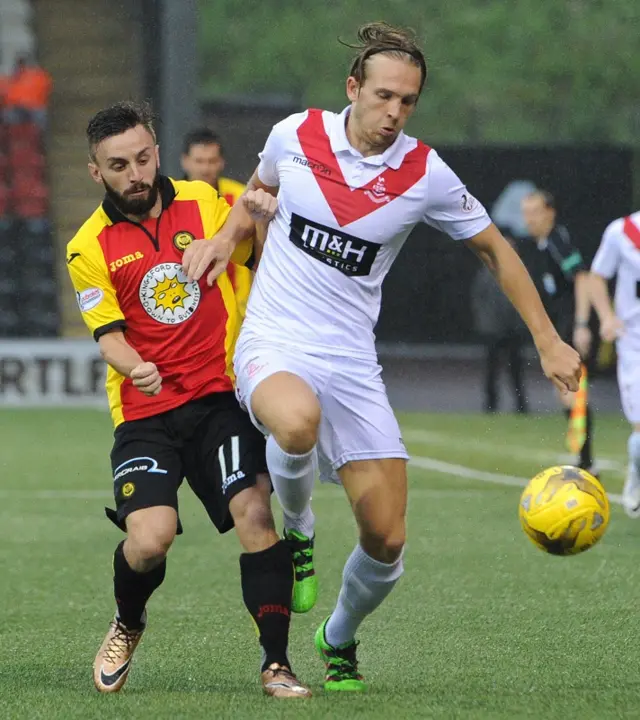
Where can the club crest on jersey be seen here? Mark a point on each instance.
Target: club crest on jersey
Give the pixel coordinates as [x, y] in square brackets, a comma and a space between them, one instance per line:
[378, 193]
[167, 295]
[182, 240]
[348, 254]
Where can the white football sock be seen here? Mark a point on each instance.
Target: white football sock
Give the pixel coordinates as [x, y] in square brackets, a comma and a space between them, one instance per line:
[365, 584]
[292, 477]
[634, 452]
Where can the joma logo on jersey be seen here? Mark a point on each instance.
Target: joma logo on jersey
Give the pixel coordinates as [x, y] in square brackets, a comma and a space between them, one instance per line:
[125, 260]
[313, 165]
[346, 253]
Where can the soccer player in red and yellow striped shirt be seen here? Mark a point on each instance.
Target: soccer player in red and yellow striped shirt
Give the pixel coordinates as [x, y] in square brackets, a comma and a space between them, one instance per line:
[169, 343]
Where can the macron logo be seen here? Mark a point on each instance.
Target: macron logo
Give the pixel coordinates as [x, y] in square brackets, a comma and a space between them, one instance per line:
[313, 165]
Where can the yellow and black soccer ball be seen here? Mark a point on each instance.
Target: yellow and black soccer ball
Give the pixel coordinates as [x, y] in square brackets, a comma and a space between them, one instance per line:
[564, 510]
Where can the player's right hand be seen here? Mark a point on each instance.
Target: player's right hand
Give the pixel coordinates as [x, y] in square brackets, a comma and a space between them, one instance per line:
[146, 378]
[562, 365]
[611, 328]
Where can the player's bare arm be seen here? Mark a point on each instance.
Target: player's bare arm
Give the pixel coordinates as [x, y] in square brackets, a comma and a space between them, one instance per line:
[560, 362]
[256, 184]
[581, 333]
[258, 243]
[256, 206]
[610, 324]
[117, 352]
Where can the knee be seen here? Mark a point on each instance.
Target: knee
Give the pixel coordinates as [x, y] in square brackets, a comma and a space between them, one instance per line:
[253, 520]
[385, 541]
[297, 432]
[147, 548]
[250, 510]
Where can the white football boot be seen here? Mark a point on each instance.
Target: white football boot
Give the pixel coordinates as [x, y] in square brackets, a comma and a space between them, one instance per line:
[631, 493]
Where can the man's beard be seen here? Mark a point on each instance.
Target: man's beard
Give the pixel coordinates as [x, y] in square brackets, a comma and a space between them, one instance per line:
[137, 206]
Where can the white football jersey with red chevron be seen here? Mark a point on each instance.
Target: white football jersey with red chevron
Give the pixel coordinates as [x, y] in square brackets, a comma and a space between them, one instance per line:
[342, 219]
[619, 256]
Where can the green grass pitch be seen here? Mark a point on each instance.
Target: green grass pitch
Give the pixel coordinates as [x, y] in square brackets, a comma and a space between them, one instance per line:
[482, 625]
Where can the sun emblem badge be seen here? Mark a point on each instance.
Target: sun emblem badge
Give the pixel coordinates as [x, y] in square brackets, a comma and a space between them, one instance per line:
[167, 295]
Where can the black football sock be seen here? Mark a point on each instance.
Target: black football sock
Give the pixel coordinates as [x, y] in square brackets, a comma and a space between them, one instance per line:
[267, 586]
[132, 589]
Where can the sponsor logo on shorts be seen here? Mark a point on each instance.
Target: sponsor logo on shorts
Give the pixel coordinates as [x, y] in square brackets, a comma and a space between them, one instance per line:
[89, 299]
[238, 475]
[254, 368]
[128, 489]
[137, 464]
[348, 254]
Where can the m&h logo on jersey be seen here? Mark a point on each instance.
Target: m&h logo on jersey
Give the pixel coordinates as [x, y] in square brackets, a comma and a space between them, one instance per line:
[182, 240]
[348, 254]
[378, 193]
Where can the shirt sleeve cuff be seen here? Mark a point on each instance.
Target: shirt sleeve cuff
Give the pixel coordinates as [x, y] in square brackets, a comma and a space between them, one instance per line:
[109, 327]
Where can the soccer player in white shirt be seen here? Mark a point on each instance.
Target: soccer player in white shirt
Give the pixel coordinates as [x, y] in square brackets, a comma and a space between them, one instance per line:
[350, 189]
[619, 256]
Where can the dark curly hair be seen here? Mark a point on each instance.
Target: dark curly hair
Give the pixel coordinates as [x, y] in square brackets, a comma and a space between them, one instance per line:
[117, 119]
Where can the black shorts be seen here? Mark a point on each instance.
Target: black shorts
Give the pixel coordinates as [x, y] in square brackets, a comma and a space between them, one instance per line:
[209, 441]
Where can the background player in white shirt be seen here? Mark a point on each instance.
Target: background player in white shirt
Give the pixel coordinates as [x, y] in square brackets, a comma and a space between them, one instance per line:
[619, 256]
[350, 189]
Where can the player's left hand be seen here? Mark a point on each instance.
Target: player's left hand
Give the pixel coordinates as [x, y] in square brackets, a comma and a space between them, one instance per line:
[562, 365]
[582, 339]
[204, 254]
[261, 205]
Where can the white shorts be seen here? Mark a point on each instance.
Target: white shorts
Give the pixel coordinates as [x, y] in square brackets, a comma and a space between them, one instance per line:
[357, 420]
[629, 383]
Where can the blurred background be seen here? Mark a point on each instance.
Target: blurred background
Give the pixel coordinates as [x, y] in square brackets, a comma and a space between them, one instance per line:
[520, 95]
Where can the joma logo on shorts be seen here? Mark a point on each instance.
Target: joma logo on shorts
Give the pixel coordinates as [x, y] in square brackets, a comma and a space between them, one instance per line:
[239, 475]
[125, 260]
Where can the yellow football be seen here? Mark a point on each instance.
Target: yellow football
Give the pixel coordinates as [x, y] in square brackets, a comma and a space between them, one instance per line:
[564, 510]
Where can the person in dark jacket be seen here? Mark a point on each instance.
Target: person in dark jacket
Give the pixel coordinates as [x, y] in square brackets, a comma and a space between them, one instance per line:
[503, 333]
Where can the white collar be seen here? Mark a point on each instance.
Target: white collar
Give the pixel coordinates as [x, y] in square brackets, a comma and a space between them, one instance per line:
[392, 156]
